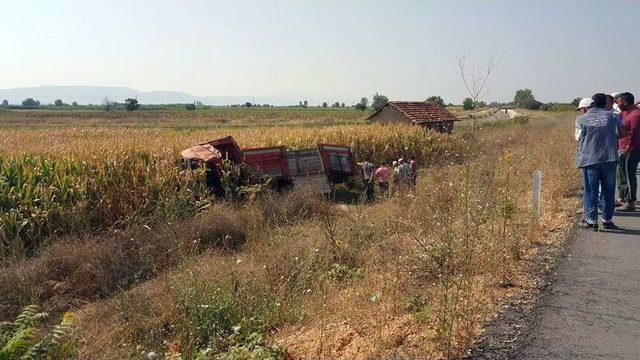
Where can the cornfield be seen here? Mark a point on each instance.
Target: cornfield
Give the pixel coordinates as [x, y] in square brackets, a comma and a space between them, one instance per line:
[381, 143]
[44, 195]
[93, 178]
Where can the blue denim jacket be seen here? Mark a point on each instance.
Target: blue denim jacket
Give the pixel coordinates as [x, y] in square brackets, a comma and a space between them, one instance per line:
[598, 140]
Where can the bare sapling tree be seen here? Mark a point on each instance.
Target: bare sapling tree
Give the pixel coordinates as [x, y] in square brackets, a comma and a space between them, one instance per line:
[476, 78]
[107, 103]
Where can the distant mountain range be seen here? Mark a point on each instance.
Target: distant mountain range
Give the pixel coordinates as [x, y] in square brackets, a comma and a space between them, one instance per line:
[95, 95]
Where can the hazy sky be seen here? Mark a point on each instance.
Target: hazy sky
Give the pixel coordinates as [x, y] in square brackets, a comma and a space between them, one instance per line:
[333, 50]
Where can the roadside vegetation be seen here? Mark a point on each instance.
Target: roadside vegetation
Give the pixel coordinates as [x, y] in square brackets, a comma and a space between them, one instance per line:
[285, 275]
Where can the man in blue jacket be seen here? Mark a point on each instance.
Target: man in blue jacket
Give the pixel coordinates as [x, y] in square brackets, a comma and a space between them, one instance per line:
[597, 156]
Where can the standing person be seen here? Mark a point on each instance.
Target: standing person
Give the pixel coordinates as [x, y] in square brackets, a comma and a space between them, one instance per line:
[614, 107]
[583, 106]
[383, 173]
[629, 145]
[404, 177]
[367, 172]
[394, 176]
[597, 156]
[413, 171]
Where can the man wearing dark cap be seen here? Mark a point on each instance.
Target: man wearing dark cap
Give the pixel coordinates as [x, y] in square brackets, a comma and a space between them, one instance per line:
[597, 156]
[629, 147]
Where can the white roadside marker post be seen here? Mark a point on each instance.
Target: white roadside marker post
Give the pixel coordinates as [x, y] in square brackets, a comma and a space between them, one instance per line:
[537, 189]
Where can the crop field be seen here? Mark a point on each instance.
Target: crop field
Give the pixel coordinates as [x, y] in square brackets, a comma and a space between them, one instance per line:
[97, 223]
[209, 118]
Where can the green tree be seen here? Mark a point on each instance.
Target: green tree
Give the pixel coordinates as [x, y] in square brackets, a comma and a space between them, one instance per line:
[362, 105]
[247, 104]
[5, 103]
[75, 103]
[324, 104]
[335, 104]
[437, 99]
[576, 101]
[131, 104]
[58, 102]
[190, 107]
[305, 103]
[524, 98]
[30, 102]
[468, 104]
[342, 105]
[379, 101]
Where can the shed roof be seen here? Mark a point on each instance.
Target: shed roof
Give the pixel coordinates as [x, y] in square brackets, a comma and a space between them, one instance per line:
[420, 111]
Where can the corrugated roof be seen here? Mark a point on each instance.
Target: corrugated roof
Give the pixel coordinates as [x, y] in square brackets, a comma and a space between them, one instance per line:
[421, 111]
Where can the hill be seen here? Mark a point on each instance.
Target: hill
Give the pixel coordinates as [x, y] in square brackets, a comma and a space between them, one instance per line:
[95, 95]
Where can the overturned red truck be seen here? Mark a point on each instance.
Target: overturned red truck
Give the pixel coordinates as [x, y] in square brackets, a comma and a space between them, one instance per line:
[316, 167]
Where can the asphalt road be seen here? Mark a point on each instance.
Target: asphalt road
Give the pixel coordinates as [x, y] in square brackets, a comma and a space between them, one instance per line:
[593, 309]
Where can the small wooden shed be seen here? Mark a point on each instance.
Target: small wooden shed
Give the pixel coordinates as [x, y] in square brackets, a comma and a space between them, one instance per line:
[427, 114]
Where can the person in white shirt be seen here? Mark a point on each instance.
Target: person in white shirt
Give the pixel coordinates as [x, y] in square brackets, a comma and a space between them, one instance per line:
[583, 106]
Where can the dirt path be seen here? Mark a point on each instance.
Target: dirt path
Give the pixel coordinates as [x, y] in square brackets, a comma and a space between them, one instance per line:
[593, 308]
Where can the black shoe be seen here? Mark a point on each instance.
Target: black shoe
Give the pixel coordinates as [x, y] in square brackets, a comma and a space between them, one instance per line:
[586, 225]
[609, 226]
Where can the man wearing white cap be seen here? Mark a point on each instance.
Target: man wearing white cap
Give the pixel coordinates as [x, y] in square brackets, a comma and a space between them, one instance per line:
[583, 106]
[597, 156]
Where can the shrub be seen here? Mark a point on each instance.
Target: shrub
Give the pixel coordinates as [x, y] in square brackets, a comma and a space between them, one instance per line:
[220, 227]
[30, 102]
[20, 339]
[339, 272]
[437, 99]
[291, 207]
[524, 98]
[379, 101]
[468, 104]
[521, 119]
[131, 104]
[363, 104]
[227, 316]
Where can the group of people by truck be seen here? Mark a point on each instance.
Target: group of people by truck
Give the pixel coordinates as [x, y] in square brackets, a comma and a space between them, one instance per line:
[401, 175]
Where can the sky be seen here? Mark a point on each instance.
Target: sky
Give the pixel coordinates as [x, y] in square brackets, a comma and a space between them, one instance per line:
[323, 50]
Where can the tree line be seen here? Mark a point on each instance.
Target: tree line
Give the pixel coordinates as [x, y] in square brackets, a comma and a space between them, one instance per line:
[523, 98]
